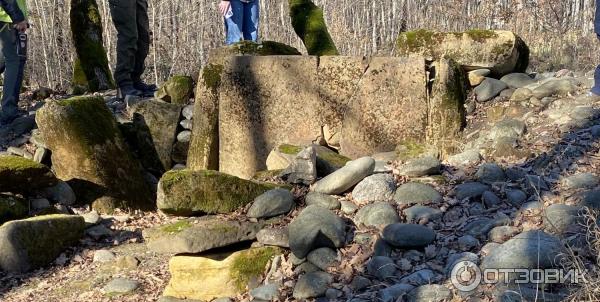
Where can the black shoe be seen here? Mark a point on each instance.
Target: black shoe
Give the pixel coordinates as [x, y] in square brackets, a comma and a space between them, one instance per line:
[124, 91]
[147, 90]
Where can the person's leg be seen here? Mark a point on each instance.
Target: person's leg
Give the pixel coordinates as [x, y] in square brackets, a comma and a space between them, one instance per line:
[143, 41]
[233, 24]
[10, 94]
[124, 18]
[251, 19]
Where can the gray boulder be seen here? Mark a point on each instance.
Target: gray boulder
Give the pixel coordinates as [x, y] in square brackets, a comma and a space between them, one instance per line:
[378, 187]
[315, 227]
[470, 190]
[303, 168]
[312, 285]
[408, 235]
[489, 89]
[415, 213]
[322, 200]
[272, 203]
[377, 214]
[423, 166]
[562, 218]
[381, 267]
[430, 293]
[35, 242]
[490, 173]
[517, 80]
[417, 193]
[345, 178]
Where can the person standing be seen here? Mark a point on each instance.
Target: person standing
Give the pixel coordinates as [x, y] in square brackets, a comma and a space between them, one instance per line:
[241, 20]
[13, 20]
[130, 18]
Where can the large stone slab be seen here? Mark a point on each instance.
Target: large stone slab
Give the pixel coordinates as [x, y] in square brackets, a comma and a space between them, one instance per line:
[247, 106]
[502, 52]
[156, 124]
[208, 277]
[34, 242]
[186, 192]
[196, 235]
[389, 107]
[89, 153]
[265, 102]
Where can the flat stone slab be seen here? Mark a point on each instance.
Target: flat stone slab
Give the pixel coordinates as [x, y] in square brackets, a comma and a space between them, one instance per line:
[196, 235]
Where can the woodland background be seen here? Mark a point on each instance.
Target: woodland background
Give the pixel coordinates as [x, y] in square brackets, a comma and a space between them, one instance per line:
[559, 32]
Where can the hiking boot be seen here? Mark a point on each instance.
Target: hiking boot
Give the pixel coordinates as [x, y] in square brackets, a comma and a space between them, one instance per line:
[147, 90]
[124, 91]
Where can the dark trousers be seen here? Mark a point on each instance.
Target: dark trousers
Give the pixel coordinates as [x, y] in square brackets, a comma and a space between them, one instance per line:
[133, 39]
[13, 68]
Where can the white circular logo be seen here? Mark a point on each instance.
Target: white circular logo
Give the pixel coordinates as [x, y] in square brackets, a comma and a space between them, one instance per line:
[465, 276]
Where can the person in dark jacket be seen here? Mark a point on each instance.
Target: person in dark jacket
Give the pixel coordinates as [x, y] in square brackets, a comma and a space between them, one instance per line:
[13, 20]
[130, 18]
[596, 89]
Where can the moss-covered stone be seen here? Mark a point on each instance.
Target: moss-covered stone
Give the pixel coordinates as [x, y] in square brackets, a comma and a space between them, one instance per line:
[186, 192]
[21, 175]
[197, 235]
[289, 149]
[214, 276]
[410, 150]
[309, 25]
[176, 90]
[12, 207]
[34, 242]
[265, 48]
[91, 67]
[88, 151]
[203, 152]
[447, 116]
[329, 161]
[500, 51]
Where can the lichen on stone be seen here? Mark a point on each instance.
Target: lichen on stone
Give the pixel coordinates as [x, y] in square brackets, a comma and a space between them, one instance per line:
[176, 227]
[289, 149]
[251, 264]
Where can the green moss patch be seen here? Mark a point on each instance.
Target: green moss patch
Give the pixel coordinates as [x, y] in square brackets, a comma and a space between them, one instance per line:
[409, 150]
[289, 149]
[12, 207]
[481, 35]
[265, 48]
[251, 264]
[211, 77]
[176, 227]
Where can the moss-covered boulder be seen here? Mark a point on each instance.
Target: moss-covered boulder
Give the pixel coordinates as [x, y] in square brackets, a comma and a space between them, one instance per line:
[186, 192]
[328, 161]
[21, 175]
[89, 153]
[90, 71]
[177, 90]
[196, 235]
[12, 207]
[203, 153]
[154, 133]
[309, 25]
[208, 277]
[447, 116]
[35, 242]
[502, 52]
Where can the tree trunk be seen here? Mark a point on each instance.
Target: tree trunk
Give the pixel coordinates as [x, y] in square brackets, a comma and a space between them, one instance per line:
[309, 25]
[86, 27]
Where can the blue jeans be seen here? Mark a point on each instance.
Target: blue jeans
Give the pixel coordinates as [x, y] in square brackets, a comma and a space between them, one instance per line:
[12, 66]
[243, 25]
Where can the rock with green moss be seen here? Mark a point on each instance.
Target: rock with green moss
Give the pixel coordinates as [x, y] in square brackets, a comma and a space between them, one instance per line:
[196, 235]
[31, 243]
[218, 275]
[186, 192]
[447, 116]
[248, 48]
[329, 161]
[176, 90]
[21, 175]
[155, 131]
[91, 70]
[89, 153]
[12, 207]
[309, 25]
[502, 52]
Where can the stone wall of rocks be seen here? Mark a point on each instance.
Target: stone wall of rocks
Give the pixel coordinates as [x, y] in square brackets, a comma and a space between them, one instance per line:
[359, 105]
